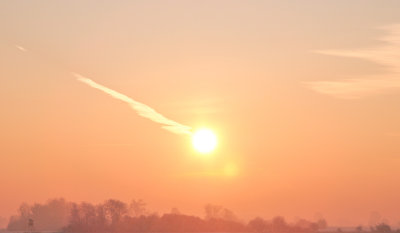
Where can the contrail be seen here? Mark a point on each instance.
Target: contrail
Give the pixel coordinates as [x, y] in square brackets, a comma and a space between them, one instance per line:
[20, 48]
[142, 109]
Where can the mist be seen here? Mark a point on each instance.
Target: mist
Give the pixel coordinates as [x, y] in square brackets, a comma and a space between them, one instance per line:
[117, 216]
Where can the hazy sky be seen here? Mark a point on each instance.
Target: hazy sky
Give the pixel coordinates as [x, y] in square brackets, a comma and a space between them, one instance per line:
[304, 97]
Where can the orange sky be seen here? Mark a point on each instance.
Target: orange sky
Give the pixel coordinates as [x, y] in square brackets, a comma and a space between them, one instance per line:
[296, 137]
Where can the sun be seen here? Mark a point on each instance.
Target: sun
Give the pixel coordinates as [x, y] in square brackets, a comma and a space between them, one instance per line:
[204, 141]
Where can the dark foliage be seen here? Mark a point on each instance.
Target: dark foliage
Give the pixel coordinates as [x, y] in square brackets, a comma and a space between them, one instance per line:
[381, 228]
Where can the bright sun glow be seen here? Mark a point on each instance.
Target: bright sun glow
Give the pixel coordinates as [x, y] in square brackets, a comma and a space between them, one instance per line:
[204, 141]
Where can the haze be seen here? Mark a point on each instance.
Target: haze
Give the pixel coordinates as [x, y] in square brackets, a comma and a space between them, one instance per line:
[266, 76]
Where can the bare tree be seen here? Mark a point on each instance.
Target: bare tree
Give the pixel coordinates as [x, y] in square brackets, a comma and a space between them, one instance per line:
[137, 208]
[219, 212]
[115, 209]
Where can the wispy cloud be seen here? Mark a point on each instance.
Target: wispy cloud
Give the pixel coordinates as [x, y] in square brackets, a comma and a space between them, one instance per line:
[142, 109]
[387, 54]
[21, 48]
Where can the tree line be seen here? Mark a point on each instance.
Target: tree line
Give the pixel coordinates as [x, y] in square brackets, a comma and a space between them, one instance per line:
[117, 216]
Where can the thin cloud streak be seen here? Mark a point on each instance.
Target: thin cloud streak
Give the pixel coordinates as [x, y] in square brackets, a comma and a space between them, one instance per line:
[142, 109]
[21, 48]
[387, 54]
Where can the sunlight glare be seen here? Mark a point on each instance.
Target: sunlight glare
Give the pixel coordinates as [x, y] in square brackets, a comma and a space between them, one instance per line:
[204, 141]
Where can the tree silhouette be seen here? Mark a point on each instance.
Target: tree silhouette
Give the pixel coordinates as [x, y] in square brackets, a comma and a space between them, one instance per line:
[116, 216]
[383, 228]
[137, 207]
